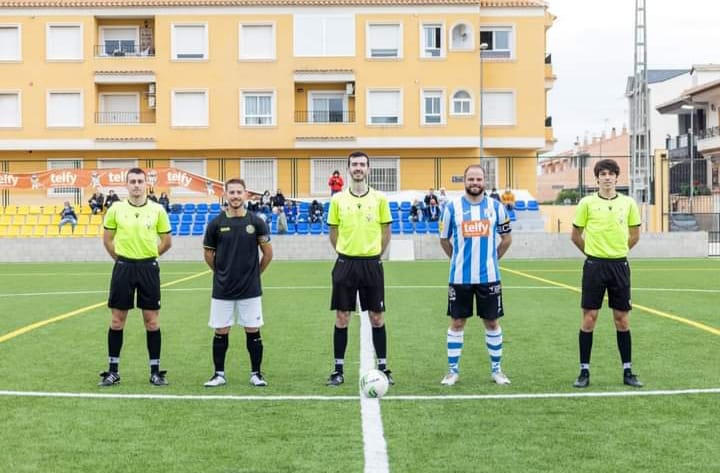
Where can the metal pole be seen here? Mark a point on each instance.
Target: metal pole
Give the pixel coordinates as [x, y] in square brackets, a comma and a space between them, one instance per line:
[483, 47]
[691, 144]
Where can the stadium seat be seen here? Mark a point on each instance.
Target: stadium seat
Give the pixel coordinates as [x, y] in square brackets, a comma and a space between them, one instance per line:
[303, 228]
[11, 210]
[18, 219]
[394, 206]
[44, 220]
[532, 205]
[405, 216]
[202, 208]
[93, 230]
[434, 227]
[174, 218]
[291, 229]
[31, 220]
[201, 218]
[85, 210]
[421, 227]
[35, 210]
[520, 205]
[184, 229]
[5, 219]
[405, 205]
[303, 207]
[13, 231]
[326, 228]
[83, 219]
[50, 210]
[26, 231]
[186, 218]
[198, 229]
[174, 228]
[395, 227]
[395, 214]
[326, 207]
[316, 228]
[189, 208]
[52, 231]
[407, 227]
[512, 215]
[23, 209]
[176, 208]
[80, 230]
[3, 230]
[212, 215]
[215, 208]
[66, 230]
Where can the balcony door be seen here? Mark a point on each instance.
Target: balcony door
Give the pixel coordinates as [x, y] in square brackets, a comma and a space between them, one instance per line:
[119, 108]
[327, 107]
[119, 41]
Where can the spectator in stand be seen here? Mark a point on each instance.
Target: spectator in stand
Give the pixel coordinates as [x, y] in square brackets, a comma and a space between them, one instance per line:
[335, 182]
[278, 200]
[152, 196]
[494, 194]
[416, 213]
[68, 215]
[290, 210]
[111, 199]
[266, 202]
[433, 211]
[282, 223]
[253, 203]
[442, 199]
[96, 202]
[508, 199]
[428, 197]
[316, 211]
[164, 200]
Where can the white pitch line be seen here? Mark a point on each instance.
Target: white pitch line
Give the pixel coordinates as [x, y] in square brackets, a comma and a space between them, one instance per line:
[305, 288]
[439, 397]
[374, 445]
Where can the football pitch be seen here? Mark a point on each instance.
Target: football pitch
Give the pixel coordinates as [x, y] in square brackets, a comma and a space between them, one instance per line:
[53, 329]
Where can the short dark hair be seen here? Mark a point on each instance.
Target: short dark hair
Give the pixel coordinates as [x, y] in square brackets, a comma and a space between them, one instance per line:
[358, 154]
[473, 166]
[606, 165]
[134, 171]
[235, 180]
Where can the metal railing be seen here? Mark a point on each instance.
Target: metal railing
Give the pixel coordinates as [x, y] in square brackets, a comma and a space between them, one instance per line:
[711, 132]
[317, 116]
[678, 142]
[121, 49]
[124, 118]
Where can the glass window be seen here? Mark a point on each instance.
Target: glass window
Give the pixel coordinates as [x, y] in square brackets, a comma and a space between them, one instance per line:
[64, 42]
[384, 41]
[190, 42]
[462, 103]
[258, 108]
[64, 109]
[10, 110]
[190, 108]
[432, 41]
[9, 43]
[257, 41]
[384, 107]
[499, 41]
[432, 107]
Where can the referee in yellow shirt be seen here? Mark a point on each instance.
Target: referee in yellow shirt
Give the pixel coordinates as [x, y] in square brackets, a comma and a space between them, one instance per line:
[359, 219]
[606, 227]
[137, 231]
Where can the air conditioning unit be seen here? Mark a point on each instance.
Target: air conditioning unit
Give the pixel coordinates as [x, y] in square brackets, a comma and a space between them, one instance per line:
[151, 101]
[350, 88]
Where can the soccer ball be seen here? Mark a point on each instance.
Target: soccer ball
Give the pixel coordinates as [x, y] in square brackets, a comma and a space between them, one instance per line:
[374, 384]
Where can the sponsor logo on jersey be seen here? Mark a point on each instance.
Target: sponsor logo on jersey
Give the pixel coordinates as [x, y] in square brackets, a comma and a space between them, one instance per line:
[224, 229]
[250, 229]
[476, 228]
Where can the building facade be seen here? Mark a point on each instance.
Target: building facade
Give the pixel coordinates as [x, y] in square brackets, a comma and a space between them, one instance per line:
[277, 92]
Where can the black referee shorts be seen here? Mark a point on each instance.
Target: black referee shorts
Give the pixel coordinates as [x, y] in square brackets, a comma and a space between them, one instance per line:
[353, 275]
[135, 276]
[611, 275]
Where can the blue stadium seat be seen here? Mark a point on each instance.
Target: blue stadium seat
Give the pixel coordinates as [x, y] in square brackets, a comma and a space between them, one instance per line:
[212, 216]
[189, 208]
[174, 228]
[395, 227]
[273, 228]
[184, 229]
[215, 208]
[532, 205]
[202, 208]
[316, 228]
[176, 208]
[174, 218]
[303, 207]
[408, 227]
[395, 214]
[421, 227]
[326, 228]
[394, 206]
[201, 218]
[303, 228]
[291, 229]
[186, 218]
[520, 205]
[434, 227]
[198, 229]
[326, 207]
[511, 214]
[405, 216]
[302, 217]
[405, 205]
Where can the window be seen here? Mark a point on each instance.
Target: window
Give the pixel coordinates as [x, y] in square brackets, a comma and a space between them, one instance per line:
[259, 174]
[195, 166]
[64, 164]
[498, 108]
[119, 108]
[499, 41]
[10, 110]
[384, 174]
[327, 107]
[323, 36]
[433, 110]
[320, 171]
[10, 43]
[383, 40]
[119, 41]
[257, 109]
[489, 165]
[384, 107]
[432, 41]
[461, 37]
[190, 108]
[121, 164]
[64, 109]
[190, 41]
[64, 42]
[257, 41]
[462, 103]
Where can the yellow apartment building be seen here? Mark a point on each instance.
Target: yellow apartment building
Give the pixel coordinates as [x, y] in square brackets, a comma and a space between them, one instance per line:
[276, 91]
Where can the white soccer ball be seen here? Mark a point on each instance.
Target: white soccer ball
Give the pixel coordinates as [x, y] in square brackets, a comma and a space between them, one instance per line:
[374, 384]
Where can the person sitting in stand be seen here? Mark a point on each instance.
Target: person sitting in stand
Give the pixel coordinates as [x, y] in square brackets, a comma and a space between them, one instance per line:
[164, 200]
[266, 202]
[278, 200]
[290, 210]
[152, 196]
[426, 201]
[508, 199]
[316, 212]
[416, 213]
[96, 202]
[68, 215]
[494, 194]
[112, 197]
[433, 211]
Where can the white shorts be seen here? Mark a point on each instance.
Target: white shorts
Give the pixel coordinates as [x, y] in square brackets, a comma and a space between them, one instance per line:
[223, 312]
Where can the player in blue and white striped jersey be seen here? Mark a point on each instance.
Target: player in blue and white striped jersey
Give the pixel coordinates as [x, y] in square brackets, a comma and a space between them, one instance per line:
[475, 235]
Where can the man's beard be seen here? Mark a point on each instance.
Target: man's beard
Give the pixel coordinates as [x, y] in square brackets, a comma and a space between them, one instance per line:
[474, 191]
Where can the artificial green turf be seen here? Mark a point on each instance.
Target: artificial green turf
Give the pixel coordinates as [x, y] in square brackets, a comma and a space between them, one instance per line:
[540, 356]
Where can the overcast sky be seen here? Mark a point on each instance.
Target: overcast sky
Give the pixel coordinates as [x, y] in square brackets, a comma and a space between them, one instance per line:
[592, 51]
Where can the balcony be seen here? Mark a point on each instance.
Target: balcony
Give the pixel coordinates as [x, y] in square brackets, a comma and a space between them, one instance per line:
[119, 36]
[324, 116]
[709, 140]
[549, 76]
[124, 118]
[123, 49]
[677, 146]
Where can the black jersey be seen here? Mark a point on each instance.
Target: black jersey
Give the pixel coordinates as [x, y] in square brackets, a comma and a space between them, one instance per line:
[237, 266]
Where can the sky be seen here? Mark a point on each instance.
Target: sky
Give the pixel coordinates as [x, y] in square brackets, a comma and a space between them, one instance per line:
[592, 49]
